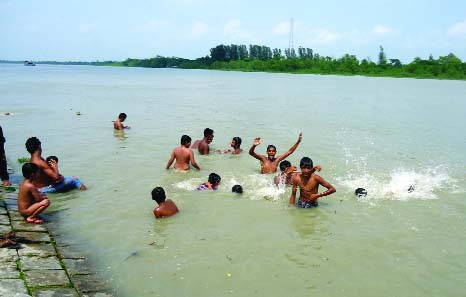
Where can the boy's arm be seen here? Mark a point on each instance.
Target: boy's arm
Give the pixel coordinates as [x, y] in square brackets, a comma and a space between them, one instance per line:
[38, 197]
[293, 192]
[51, 170]
[291, 150]
[203, 148]
[330, 189]
[256, 142]
[170, 161]
[193, 162]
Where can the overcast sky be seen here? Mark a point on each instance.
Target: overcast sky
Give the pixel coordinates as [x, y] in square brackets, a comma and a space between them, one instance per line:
[89, 30]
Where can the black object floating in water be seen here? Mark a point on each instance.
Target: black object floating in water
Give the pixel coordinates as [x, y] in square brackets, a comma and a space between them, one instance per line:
[411, 189]
[360, 192]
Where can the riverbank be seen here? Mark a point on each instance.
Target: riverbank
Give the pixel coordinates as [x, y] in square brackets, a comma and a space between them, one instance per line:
[43, 263]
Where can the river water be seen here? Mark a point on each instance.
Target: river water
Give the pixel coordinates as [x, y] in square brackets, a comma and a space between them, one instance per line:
[382, 134]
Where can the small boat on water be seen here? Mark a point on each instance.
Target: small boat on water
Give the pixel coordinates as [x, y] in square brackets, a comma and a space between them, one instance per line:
[29, 63]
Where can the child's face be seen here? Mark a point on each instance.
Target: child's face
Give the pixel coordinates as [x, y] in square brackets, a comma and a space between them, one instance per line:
[306, 171]
[271, 152]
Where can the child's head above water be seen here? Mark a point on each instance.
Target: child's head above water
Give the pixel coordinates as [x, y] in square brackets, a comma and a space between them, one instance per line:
[122, 116]
[28, 169]
[237, 189]
[50, 158]
[158, 194]
[306, 162]
[185, 139]
[214, 179]
[284, 164]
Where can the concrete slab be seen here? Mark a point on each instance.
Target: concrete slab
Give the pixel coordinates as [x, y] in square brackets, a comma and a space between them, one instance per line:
[2, 209]
[58, 292]
[10, 195]
[34, 237]
[36, 278]
[11, 204]
[8, 270]
[4, 219]
[67, 252]
[8, 255]
[23, 226]
[15, 216]
[5, 229]
[12, 287]
[98, 294]
[77, 266]
[37, 263]
[36, 249]
[89, 283]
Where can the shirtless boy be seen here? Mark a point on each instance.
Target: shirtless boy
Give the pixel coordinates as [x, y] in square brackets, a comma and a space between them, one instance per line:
[269, 163]
[287, 173]
[48, 173]
[308, 183]
[203, 145]
[118, 124]
[166, 207]
[183, 155]
[236, 145]
[67, 184]
[30, 202]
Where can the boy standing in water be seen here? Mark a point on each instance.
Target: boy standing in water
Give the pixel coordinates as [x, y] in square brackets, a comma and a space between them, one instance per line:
[203, 145]
[30, 202]
[166, 207]
[287, 173]
[269, 163]
[118, 124]
[308, 183]
[183, 155]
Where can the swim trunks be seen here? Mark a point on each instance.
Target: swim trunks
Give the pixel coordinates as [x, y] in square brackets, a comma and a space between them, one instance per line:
[306, 204]
[67, 184]
[204, 186]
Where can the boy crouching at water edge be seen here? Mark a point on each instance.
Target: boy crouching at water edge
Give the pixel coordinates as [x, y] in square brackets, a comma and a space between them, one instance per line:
[30, 202]
[166, 207]
[308, 183]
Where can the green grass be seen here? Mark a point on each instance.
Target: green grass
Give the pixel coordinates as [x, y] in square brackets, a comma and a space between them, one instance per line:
[23, 160]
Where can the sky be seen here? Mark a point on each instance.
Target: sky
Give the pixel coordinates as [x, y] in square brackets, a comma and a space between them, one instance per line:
[91, 30]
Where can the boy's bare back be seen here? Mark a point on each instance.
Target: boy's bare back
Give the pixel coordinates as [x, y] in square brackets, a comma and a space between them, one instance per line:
[166, 209]
[182, 156]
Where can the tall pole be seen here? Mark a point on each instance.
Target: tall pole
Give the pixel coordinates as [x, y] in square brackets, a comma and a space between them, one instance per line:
[290, 42]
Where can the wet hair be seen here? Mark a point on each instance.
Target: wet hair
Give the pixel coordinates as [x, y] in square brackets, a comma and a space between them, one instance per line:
[32, 144]
[360, 192]
[237, 140]
[237, 189]
[271, 146]
[306, 162]
[284, 164]
[158, 194]
[122, 116]
[49, 158]
[214, 178]
[185, 139]
[28, 169]
[208, 131]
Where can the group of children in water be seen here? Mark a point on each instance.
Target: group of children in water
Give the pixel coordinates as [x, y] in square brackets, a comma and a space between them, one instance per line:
[42, 176]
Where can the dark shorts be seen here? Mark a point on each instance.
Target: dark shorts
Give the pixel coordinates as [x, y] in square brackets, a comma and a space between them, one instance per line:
[305, 204]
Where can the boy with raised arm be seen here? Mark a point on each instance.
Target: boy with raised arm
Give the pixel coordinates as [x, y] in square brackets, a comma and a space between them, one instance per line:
[30, 202]
[183, 156]
[269, 163]
[308, 183]
[48, 174]
[166, 207]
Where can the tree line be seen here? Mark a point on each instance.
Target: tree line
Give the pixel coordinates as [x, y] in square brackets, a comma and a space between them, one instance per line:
[305, 60]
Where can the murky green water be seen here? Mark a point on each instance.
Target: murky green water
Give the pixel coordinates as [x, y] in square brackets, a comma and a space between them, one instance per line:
[377, 133]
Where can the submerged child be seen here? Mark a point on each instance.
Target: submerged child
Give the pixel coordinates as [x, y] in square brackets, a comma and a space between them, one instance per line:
[183, 155]
[166, 207]
[308, 183]
[237, 189]
[66, 184]
[118, 124]
[212, 183]
[30, 202]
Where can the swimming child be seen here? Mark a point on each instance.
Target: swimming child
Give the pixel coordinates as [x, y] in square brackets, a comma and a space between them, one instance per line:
[236, 145]
[183, 155]
[287, 172]
[202, 145]
[237, 189]
[166, 207]
[269, 163]
[308, 183]
[30, 202]
[68, 183]
[212, 183]
[118, 124]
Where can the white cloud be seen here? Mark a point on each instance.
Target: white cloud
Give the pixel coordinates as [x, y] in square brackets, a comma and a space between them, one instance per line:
[234, 33]
[323, 36]
[198, 29]
[381, 30]
[457, 30]
[153, 26]
[282, 28]
[232, 27]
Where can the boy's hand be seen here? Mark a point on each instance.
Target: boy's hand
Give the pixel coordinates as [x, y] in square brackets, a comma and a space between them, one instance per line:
[257, 141]
[300, 137]
[290, 169]
[318, 168]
